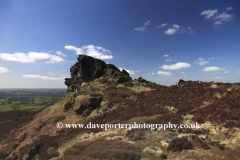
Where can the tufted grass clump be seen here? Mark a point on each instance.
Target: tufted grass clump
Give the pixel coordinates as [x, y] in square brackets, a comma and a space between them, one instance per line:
[117, 95]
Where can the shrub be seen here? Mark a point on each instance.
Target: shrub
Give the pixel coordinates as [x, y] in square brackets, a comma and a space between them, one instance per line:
[68, 106]
[178, 144]
[136, 134]
[128, 84]
[117, 95]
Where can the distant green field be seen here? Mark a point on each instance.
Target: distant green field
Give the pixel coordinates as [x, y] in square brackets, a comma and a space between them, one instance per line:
[7, 107]
[34, 99]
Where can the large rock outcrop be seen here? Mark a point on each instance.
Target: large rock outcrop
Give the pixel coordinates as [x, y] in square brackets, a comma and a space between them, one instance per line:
[84, 102]
[88, 68]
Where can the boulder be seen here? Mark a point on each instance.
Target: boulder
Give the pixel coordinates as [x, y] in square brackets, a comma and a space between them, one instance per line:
[88, 68]
[84, 102]
[180, 82]
[141, 80]
[214, 86]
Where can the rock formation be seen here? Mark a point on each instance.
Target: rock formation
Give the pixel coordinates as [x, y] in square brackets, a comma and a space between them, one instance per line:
[180, 82]
[89, 102]
[88, 68]
[141, 80]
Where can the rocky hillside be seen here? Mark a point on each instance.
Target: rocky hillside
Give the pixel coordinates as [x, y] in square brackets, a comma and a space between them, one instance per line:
[102, 94]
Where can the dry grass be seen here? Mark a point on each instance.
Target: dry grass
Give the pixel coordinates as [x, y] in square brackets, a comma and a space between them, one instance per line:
[102, 149]
[142, 119]
[58, 119]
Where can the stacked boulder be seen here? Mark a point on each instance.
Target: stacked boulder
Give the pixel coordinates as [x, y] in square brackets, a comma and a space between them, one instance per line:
[88, 68]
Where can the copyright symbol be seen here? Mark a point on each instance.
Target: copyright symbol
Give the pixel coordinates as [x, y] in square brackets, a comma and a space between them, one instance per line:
[59, 125]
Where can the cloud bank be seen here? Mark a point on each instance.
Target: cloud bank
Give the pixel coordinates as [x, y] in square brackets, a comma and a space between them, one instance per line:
[176, 66]
[141, 29]
[31, 57]
[4, 70]
[91, 50]
[214, 68]
[43, 77]
[217, 17]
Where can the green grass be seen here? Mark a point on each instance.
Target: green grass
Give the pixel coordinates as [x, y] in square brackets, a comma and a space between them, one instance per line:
[7, 107]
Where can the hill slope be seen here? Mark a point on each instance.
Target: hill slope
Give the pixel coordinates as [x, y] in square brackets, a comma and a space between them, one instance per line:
[106, 100]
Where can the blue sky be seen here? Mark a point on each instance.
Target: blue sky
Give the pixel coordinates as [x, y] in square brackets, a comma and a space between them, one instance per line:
[162, 41]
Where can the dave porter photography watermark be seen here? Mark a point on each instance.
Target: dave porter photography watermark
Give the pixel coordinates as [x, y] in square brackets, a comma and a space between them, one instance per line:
[90, 125]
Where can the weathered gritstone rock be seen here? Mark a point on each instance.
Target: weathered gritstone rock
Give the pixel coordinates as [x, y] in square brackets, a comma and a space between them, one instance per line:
[180, 82]
[88, 68]
[84, 102]
[214, 86]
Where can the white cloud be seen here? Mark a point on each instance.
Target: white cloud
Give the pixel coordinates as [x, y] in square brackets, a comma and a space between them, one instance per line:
[61, 54]
[170, 59]
[147, 23]
[153, 73]
[165, 55]
[226, 72]
[43, 77]
[165, 73]
[73, 48]
[171, 31]
[141, 29]
[91, 50]
[218, 22]
[178, 65]
[54, 59]
[175, 29]
[214, 73]
[218, 77]
[229, 8]
[218, 18]
[201, 61]
[209, 13]
[184, 75]
[132, 72]
[214, 68]
[52, 73]
[31, 57]
[190, 30]
[4, 70]
[211, 58]
[163, 25]
[182, 72]
[176, 26]
[223, 17]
